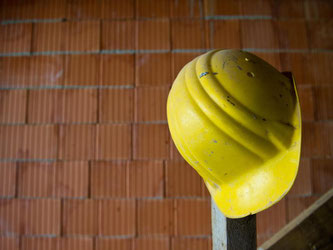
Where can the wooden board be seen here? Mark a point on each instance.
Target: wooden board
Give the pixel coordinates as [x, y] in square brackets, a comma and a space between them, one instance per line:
[312, 229]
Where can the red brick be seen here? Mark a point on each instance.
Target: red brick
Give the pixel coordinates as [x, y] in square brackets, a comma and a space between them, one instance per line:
[43, 71]
[116, 105]
[61, 179]
[324, 102]
[80, 243]
[15, 9]
[77, 142]
[146, 179]
[150, 103]
[44, 106]
[13, 106]
[179, 243]
[256, 7]
[153, 69]
[62, 106]
[7, 178]
[174, 153]
[117, 9]
[182, 180]
[41, 216]
[67, 36]
[79, 105]
[153, 34]
[185, 8]
[80, 217]
[296, 205]
[179, 60]
[322, 175]
[289, 9]
[113, 142]
[36, 179]
[51, 9]
[320, 65]
[32, 243]
[221, 7]
[117, 69]
[64, 243]
[117, 217]
[83, 9]
[109, 179]
[28, 142]
[40, 142]
[10, 217]
[152, 243]
[24, 71]
[320, 34]
[224, 34]
[72, 179]
[119, 244]
[15, 37]
[272, 58]
[288, 38]
[82, 70]
[9, 242]
[151, 141]
[49, 36]
[316, 9]
[193, 217]
[299, 65]
[188, 34]
[10, 141]
[307, 100]
[152, 9]
[118, 35]
[317, 139]
[303, 182]
[259, 34]
[155, 217]
[271, 220]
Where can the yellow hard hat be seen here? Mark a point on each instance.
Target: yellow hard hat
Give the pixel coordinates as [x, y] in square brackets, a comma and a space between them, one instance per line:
[237, 121]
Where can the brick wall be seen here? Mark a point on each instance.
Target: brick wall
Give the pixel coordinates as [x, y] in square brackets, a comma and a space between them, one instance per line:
[86, 159]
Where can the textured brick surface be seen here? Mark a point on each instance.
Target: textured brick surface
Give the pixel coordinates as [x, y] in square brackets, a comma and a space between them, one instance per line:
[113, 142]
[155, 217]
[109, 179]
[151, 141]
[188, 34]
[180, 243]
[116, 105]
[230, 27]
[86, 158]
[80, 217]
[117, 217]
[146, 178]
[8, 173]
[150, 103]
[15, 37]
[193, 217]
[40, 216]
[182, 180]
[271, 220]
[77, 142]
[13, 100]
[153, 34]
[153, 69]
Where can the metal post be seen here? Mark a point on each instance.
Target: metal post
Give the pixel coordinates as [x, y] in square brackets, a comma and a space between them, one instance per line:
[233, 234]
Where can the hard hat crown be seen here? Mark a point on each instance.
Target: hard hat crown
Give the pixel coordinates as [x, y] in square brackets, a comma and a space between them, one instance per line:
[236, 120]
